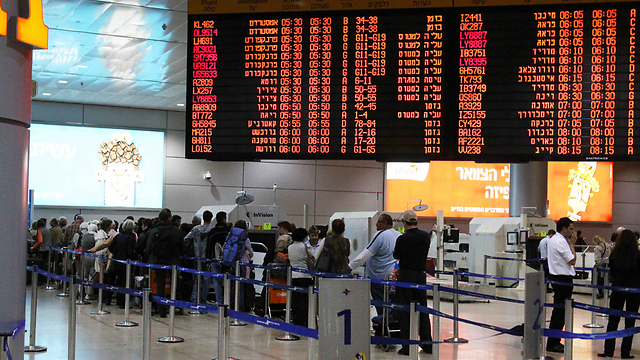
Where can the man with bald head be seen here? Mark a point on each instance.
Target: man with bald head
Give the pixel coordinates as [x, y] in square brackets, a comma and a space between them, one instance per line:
[378, 256]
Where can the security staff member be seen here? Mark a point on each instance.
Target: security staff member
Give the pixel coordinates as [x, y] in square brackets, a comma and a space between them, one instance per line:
[561, 257]
[411, 251]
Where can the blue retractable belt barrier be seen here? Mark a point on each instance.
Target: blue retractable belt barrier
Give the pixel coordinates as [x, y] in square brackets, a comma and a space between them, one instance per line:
[603, 310]
[295, 329]
[400, 284]
[185, 304]
[599, 336]
[389, 305]
[504, 258]
[462, 273]
[613, 288]
[106, 287]
[14, 333]
[484, 296]
[52, 275]
[151, 266]
[426, 310]
[299, 289]
[321, 274]
[200, 272]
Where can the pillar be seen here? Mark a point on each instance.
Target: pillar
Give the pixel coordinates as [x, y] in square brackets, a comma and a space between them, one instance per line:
[528, 188]
[15, 113]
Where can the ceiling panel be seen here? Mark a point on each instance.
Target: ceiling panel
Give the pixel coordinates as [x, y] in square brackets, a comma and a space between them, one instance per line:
[116, 52]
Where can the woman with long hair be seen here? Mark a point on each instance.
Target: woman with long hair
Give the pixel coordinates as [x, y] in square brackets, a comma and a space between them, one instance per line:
[624, 263]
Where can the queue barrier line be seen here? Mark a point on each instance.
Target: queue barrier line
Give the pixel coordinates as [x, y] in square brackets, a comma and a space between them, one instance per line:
[484, 296]
[597, 336]
[604, 287]
[321, 273]
[14, 333]
[608, 311]
[398, 283]
[185, 304]
[151, 266]
[106, 287]
[200, 272]
[501, 330]
[506, 258]
[469, 274]
[52, 275]
[299, 289]
[380, 340]
[274, 324]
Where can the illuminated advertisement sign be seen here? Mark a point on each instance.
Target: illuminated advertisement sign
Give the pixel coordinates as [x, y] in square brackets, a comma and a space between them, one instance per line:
[582, 191]
[80, 166]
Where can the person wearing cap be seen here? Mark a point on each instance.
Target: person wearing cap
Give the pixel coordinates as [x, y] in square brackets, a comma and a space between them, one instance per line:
[411, 250]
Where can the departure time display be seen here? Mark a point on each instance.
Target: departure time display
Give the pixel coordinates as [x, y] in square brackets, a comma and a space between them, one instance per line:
[483, 83]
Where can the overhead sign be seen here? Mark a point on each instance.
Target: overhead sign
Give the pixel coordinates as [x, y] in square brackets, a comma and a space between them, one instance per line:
[30, 30]
[582, 191]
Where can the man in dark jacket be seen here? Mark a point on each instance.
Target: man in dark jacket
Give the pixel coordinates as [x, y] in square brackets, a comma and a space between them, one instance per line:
[411, 251]
[164, 246]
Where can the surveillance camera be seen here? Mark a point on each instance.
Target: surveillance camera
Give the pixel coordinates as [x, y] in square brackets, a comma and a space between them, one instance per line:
[164, 26]
[207, 175]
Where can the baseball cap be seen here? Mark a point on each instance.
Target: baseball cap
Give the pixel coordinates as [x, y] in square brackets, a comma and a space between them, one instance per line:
[409, 216]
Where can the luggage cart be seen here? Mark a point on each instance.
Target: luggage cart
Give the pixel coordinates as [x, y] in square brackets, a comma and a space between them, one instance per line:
[388, 327]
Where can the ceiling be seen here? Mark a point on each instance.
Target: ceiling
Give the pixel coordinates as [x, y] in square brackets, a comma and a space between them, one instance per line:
[120, 52]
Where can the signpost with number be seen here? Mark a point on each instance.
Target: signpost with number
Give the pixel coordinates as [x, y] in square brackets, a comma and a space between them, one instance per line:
[344, 319]
[534, 315]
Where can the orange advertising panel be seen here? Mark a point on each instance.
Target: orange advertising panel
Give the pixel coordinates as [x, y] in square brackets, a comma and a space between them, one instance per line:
[580, 190]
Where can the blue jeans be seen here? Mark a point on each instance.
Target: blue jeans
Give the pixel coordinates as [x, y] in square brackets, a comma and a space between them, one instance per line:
[218, 284]
[204, 290]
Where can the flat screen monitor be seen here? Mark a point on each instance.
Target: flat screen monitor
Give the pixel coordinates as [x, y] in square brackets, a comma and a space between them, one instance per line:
[451, 235]
[512, 238]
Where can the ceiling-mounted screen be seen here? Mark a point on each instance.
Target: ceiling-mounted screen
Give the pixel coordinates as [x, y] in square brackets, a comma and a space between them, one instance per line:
[490, 83]
[96, 167]
[582, 191]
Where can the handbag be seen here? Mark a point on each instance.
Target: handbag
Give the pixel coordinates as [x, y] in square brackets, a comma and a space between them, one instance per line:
[324, 260]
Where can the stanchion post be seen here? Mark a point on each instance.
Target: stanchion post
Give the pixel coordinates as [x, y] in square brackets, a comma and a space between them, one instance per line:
[311, 322]
[127, 298]
[223, 334]
[100, 310]
[174, 284]
[72, 319]
[414, 325]
[34, 313]
[485, 269]
[146, 324]
[48, 285]
[198, 288]
[568, 325]
[236, 305]
[80, 274]
[287, 315]
[267, 294]
[64, 292]
[385, 310]
[436, 323]
[593, 324]
[605, 292]
[227, 290]
[456, 301]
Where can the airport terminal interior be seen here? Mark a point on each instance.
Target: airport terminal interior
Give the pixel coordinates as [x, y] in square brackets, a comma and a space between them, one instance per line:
[482, 123]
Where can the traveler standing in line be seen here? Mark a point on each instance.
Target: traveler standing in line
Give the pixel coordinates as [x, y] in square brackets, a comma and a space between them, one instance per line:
[313, 239]
[73, 229]
[601, 255]
[378, 256]
[561, 256]
[199, 235]
[624, 263]
[63, 223]
[43, 243]
[234, 249]
[195, 221]
[87, 243]
[339, 248]
[215, 243]
[123, 247]
[411, 251]
[542, 251]
[299, 254]
[164, 246]
[56, 233]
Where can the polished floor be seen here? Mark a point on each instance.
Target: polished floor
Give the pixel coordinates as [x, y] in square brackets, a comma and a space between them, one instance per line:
[98, 338]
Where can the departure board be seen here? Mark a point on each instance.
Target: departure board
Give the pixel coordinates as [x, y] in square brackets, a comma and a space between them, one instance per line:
[493, 83]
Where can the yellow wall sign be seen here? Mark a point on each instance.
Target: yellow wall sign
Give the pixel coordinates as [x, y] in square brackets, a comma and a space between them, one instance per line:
[30, 31]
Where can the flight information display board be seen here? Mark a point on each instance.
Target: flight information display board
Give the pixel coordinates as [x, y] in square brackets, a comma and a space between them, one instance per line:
[508, 83]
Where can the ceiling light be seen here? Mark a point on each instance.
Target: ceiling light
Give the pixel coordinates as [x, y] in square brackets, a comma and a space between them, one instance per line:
[82, 66]
[46, 94]
[106, 48]
[138, 23]
[180, 104]
[62, 81]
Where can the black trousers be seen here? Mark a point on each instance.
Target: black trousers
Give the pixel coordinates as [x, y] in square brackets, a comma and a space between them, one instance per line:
[300, 302]
[161, 282]
[618, 299]
[560, 294]
[406, 296]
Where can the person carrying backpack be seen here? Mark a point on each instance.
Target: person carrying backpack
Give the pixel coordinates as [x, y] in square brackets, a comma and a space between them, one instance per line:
[164, 246]
[234, 250]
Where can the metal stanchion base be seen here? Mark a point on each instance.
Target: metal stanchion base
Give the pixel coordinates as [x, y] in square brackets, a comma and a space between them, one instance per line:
[197, 312]
[35, 348]
[48, 288]
[63, 294]
[171, 339]
[236, 322]
[126, 324]
[456, 341]
[602, 315]
[288, 337]
[543, 357]
[229, 358]
[100, 312]
[82, 302]
[593, 326]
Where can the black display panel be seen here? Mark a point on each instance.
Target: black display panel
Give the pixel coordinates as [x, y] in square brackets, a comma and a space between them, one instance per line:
[484, 84]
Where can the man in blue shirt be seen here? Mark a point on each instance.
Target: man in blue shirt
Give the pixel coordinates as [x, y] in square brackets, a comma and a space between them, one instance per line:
[199, 235]
[378, 256]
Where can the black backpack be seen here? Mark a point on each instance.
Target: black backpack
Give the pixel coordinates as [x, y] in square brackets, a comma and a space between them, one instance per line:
[162, 248]
[324, 260]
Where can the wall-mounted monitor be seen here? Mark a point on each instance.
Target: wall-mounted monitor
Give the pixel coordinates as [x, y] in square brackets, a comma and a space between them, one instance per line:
[96, 167]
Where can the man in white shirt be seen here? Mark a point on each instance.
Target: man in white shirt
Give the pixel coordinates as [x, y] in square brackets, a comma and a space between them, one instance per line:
[542, 251]
[561, 257]
[378, 256]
